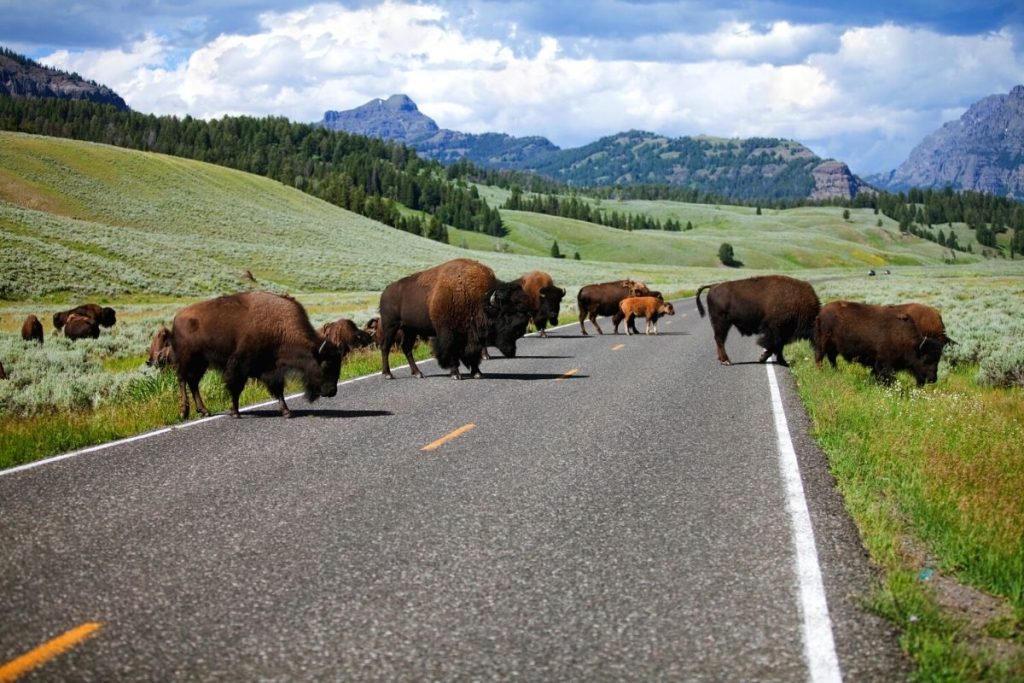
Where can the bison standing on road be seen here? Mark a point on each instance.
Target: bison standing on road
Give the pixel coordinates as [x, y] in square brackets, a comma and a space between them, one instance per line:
[604, 298]
[649, 307]
[32, 329]
[251, 334]
[545, 299]
[459, 303]
[81, 326]
[780, 309]
[103, 316]
[882, 338]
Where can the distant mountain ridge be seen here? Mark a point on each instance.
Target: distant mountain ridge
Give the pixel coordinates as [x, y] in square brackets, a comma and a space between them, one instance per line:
[22, 77]
[746, 169]
[983, 151]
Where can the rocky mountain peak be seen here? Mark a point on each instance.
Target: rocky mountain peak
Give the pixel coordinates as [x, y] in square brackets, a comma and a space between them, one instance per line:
[396, 118]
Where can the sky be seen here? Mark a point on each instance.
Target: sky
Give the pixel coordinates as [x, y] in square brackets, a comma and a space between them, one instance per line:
[863, 82]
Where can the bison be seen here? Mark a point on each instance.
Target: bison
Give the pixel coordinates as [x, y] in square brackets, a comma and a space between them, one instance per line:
[32, 329]
[649, 307]
[104, 316]
[161, 353]
[780, 309]
[604, 298]
[545, 299]
[81, 326]
[251, 334]
[882, 338]
[459, 304]
[346, 335]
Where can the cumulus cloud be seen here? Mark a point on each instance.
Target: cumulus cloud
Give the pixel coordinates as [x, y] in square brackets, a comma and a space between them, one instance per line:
[865, 95]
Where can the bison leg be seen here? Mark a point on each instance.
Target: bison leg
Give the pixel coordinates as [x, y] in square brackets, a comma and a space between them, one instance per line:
[593, 321]
[183, 399]
[583, 316]
[721, 330]
[193, 385]
[408, 341]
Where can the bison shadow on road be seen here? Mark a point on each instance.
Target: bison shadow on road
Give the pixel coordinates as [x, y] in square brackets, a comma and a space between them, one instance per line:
[314, 412]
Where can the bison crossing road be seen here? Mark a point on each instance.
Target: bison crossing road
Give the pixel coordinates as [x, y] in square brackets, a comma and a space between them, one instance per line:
[601, 507]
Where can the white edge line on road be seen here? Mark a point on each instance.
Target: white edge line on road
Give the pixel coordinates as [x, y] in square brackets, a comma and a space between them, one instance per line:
[186, 425]
[819, 646]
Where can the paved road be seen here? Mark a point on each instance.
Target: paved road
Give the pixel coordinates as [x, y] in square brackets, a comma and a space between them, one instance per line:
[617, 511]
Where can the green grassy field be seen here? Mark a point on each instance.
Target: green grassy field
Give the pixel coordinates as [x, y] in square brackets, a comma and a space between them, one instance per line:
[936, 470]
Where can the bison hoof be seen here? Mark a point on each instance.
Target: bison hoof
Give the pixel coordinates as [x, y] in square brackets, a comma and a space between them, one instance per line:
[478, 375]
[725, 362]
[388, 375]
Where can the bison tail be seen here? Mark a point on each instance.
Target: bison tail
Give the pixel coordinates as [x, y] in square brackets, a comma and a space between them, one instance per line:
[700, 307]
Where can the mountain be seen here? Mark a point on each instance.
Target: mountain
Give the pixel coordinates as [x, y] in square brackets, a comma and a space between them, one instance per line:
[745, 169]
[983, 151]
[398, 118]
[22, 77]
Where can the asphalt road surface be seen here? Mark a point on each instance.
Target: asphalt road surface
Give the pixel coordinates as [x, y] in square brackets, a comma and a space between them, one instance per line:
[605, 508]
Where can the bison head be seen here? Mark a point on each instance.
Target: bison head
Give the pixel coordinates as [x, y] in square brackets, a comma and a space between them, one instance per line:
[161, 353]
[508, 314]
[550, 301]
[323, 381]
[107, 317]
[637, 288]
[59, 319]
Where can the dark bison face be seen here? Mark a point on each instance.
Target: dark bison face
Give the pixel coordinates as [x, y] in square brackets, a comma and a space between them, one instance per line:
[362, 339]
[508, 314]
[107, 317]
[926, 360]
[59, 319]
[550, 303]
[324, 380]
[161, 354]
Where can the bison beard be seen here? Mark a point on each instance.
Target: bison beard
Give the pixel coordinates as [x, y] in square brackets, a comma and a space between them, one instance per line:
[778, 308]
[251, 335]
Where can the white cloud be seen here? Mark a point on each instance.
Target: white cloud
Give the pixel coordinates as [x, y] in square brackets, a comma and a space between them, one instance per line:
[842, 91]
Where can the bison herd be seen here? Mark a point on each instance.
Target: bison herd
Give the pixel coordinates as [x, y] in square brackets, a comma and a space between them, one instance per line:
[462, 308]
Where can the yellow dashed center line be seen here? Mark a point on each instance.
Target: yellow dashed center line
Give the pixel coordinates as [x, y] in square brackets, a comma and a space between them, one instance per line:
[568, 374]
[47, 651]
[618, 346]
[448, 437]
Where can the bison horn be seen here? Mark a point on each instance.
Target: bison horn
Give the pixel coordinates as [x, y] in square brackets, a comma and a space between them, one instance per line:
[493, 301]
[321, 349]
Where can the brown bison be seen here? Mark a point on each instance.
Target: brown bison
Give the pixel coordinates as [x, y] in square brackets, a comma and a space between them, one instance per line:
[3, 375]
[346, 335]
[32, 329]
[545, 299]
[460, 305]
[604, 298]
[161, 353]
[882, 338]
[251, 334]
[778, 308]
[649, 307]
[104, 316]
[80, 327]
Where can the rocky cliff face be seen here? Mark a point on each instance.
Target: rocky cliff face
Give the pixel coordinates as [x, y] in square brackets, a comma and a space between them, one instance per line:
[983, 150]
[21, 77]
[396, 118]
[834, 179]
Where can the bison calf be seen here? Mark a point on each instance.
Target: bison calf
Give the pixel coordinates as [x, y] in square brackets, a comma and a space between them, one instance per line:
[604, 298]
[778, 308]
[649, 307]
[882, 338]
[81, 327]
[251, 334]
[161, 353]
[32, 329]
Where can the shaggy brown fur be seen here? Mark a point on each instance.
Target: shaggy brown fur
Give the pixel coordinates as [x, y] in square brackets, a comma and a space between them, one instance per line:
[778, 308]
[928, 321]
[251, 335]
[81, 326]
[32, 329]
[604, 298]
[650, 308]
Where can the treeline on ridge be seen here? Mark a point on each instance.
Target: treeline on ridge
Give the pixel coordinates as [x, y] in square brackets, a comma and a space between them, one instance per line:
[365, 175]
